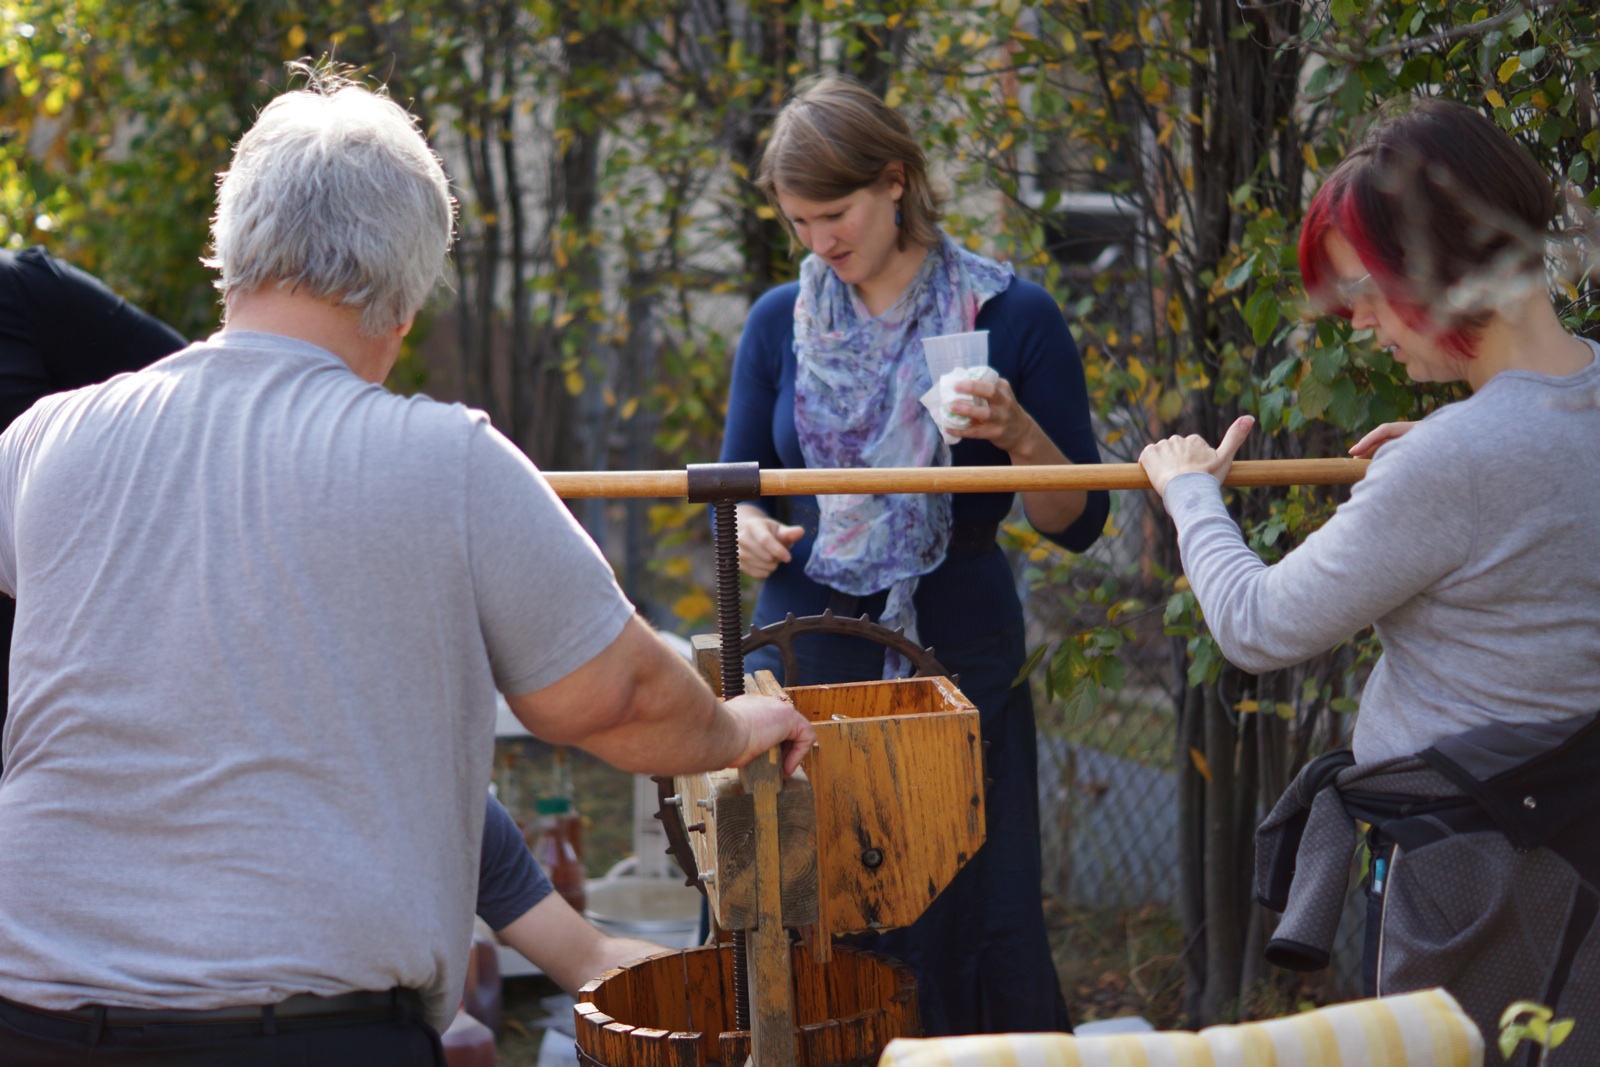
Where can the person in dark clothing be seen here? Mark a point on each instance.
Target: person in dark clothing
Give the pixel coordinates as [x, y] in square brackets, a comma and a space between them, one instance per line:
[60, 329]
[518, 902]
[830, 372]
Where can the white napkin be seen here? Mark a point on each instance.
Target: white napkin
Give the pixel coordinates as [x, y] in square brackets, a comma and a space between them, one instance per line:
[938, 399]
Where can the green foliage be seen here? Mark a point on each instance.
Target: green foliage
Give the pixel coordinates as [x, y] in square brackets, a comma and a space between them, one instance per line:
[1527, 1020]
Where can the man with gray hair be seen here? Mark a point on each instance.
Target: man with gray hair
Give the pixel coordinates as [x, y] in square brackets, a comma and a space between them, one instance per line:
[263, 607]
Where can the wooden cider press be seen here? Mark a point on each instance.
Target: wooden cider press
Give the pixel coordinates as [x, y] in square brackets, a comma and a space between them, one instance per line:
[887, 807]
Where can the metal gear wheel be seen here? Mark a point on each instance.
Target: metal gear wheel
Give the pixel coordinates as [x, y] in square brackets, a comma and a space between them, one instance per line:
[782, 635]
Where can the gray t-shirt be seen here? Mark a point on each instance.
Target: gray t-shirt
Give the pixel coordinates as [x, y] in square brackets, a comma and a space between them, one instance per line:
[263, 609]
[1472, 546]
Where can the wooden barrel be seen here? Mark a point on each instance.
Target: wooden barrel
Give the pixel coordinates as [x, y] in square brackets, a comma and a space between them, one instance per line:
[676, 1009]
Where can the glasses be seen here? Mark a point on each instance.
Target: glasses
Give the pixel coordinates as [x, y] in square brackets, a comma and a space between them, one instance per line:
[1362, 286]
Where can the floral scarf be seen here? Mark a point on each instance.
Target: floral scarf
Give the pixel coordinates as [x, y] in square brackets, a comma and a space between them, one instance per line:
[856, 404]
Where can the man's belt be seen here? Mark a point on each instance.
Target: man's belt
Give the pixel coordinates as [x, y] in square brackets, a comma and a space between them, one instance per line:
[366, 1003]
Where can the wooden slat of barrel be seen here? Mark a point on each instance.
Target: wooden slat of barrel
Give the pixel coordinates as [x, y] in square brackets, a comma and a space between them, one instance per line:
[616, 1038]
[819, 1043]
[649, 1047]
[684, 1050]
[810, 991]
[589, 1021]
[643, 1011]
[734, 1047]
[709, 1010]
[612, 992]
[667, 977]
[905, 1002]
[855, 1041]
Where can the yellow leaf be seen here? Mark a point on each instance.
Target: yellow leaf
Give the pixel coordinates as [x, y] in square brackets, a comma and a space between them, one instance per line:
[740, 169]
[1181, 585]
[1175, 315]
[1005, 142]
[1508, 68]
[1100, 163]
[1166, 133]
[677, 567]
[1069, 43]
[574, 383]
[297, 38]
[1200, 764]
[561, 257]
[1170, 405]
[1094, 35]
[1247, 706]
[765, 211]
[896, 94]
[1136, 369]
[664, 517]
[1123, 41]
[693, 605]
[1310, 156]
[630, 406]
[973, 242]
[564, 318]
[942, 48]
[609, 397]
[1114, 436]
[1494, 98]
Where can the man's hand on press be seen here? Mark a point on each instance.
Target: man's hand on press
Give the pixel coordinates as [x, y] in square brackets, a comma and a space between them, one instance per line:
[768, 722]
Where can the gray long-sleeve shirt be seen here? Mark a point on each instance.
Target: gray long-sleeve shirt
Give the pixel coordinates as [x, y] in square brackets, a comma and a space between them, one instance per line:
[1473, 548]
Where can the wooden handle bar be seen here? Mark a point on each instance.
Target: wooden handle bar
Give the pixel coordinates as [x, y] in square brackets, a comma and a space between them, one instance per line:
[572, 485]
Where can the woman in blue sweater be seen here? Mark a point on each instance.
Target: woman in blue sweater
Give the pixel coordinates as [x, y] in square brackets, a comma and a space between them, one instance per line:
[828, 374]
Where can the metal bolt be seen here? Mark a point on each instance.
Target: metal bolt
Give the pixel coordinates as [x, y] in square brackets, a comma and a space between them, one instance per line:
[872, 858]
[703, 802]
[673, 801]
[1529, 803]
[708, 877]
[697, 828]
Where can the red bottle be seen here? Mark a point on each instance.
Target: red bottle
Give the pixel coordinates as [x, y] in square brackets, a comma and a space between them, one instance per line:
[483, 998]
[468, 1043]
[554, 851]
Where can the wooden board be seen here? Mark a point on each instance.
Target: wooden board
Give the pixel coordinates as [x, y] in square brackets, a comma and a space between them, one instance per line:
[906, 791]
[885, 749]
[772, 1041]
[855, 700]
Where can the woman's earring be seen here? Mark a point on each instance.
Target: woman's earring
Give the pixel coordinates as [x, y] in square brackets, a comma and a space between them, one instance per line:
[897, 218]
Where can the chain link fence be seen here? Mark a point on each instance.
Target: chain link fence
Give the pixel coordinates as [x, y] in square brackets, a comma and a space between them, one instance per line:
[1108, 735]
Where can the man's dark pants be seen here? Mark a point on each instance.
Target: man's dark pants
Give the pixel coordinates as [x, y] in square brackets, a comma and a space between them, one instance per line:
[398, 1038]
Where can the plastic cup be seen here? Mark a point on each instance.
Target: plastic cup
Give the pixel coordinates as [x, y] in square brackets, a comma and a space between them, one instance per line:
[951, 351]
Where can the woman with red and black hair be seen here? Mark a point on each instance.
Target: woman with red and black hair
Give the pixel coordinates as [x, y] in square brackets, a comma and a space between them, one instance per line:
[1470, 546]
